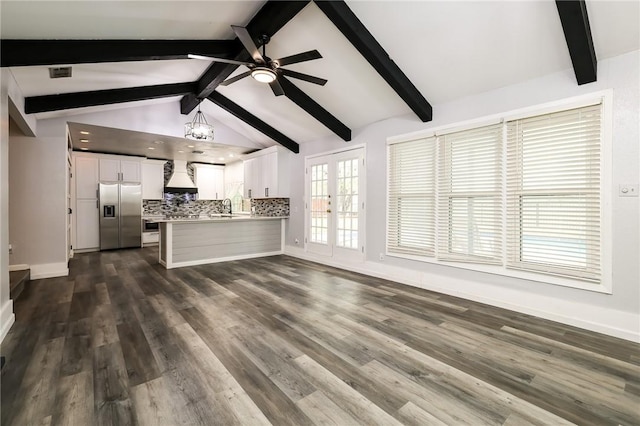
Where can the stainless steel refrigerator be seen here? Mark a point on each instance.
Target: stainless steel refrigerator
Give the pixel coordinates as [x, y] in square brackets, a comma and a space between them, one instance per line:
[120, 215]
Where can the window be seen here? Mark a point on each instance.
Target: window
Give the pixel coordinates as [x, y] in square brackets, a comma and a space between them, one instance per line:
[470, 195]
[553, 193]
[411, 203]
[522, 194]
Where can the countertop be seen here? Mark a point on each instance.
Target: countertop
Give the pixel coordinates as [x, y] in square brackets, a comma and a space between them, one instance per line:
[217, 219]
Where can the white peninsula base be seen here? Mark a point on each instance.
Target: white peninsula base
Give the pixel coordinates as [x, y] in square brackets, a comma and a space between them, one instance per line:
[197, 242]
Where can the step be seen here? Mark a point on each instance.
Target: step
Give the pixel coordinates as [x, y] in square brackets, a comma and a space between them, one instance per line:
[17, 282]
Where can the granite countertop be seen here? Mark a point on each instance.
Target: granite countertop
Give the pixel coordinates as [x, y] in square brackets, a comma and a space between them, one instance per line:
[214, 218]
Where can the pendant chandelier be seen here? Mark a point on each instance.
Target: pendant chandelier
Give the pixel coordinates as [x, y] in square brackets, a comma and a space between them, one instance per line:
[198, 129]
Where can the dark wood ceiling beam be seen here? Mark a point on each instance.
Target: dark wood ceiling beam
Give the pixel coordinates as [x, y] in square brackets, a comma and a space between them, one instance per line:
[56, 52]
[348, 23]
[577, 33]
[314, 109]
[269, 19]
[62, 101]
[253, 121]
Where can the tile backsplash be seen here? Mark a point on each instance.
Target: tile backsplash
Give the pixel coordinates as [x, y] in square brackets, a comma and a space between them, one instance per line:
[187, 204]
[270, 207]
[180, 204]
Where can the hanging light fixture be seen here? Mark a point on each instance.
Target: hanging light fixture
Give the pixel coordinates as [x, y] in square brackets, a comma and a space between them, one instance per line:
[198, 128]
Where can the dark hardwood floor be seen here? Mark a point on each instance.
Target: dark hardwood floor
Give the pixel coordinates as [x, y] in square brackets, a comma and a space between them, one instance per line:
[278, 340]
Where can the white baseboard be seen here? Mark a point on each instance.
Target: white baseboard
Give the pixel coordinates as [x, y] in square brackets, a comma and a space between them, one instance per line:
[18, 267]
[616, 323]
[7, 318]
[218, 259]
[49, 270]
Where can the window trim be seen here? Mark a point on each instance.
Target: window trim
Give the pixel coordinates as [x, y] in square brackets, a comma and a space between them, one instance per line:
[606, 188]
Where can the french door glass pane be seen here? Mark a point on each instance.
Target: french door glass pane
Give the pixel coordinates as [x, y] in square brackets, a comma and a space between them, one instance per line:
[319, 203]
[347, 204]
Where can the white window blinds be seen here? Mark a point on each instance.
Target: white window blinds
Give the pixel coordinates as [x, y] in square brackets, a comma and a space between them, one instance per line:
[411, 197]
[470, 195]
[553, 193]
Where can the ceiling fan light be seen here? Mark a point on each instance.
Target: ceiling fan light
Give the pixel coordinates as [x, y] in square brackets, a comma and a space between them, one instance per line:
[263, 75]
[198, 129]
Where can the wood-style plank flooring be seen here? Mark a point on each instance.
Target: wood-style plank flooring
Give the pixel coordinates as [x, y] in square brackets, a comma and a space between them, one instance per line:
[287, 342]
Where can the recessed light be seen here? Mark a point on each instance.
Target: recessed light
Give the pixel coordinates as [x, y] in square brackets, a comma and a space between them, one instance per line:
[230, 155]
[221, 158]
[84, 140]
[84, 149]
[180, 151]
[191, 146]
[84, 132]
[158, 142]
[151, 147]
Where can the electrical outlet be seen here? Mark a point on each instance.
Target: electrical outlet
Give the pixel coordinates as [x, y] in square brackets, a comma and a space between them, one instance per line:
[297, 241]
[628, 190]
[10, 249]
[381, 256]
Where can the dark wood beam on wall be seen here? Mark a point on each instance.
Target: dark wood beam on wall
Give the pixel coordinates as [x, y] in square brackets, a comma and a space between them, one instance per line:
[301, 99]
[348, 23]
[46, 103]
[56, 52]
[577, 33]
[269, 20]
[253, 121]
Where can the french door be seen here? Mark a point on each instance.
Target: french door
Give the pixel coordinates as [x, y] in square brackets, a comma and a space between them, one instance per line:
[335, 200]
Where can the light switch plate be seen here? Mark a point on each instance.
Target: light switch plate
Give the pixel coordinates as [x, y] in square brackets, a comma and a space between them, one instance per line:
[628, 190]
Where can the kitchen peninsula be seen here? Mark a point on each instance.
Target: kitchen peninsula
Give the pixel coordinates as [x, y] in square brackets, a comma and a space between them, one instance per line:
[197, 241]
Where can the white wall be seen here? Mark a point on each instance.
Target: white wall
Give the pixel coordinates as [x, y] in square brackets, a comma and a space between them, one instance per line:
[616, 314]
[37, 203]
[6, 305]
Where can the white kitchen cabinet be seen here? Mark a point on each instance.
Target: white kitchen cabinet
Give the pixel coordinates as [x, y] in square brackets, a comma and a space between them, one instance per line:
[252, 177]
[87, 225]
[130, 171]
[266, 173]
[210, 181]
[119, 170]
[86, 177]
[152, 179]
[270, 184]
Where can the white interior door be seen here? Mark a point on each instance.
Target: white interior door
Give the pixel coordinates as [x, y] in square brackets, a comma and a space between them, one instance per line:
[335, 205]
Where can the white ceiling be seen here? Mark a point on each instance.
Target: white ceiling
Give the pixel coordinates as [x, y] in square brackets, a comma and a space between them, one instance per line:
[448, 49]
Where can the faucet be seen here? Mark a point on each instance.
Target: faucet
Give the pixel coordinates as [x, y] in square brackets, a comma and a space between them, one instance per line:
[226, 206]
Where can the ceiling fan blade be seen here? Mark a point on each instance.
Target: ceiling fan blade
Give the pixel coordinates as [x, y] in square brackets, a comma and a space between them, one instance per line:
[276, 88]
[301, 76]
[300, 57]
[236, 78]
[246, 40]
[226, 61]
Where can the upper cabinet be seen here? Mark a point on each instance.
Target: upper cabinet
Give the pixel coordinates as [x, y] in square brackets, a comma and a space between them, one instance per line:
[210, 181]
[152, 179]
[266, 173]
[120, 170]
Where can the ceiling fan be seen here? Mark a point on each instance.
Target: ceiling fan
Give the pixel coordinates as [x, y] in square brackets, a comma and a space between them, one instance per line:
[263, 68]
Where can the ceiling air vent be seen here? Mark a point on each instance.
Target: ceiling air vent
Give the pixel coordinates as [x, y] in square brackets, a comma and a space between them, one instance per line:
[60, 72]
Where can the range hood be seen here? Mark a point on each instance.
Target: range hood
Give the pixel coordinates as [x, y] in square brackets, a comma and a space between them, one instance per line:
[180, 182]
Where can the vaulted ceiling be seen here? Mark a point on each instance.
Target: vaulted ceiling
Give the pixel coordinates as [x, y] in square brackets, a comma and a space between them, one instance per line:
[381, 59]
